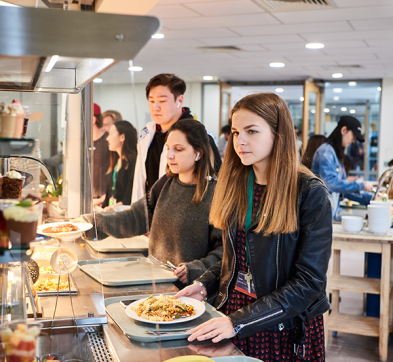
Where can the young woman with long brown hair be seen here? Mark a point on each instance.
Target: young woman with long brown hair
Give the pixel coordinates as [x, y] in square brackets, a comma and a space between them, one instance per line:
[178, 207]
[277, 234]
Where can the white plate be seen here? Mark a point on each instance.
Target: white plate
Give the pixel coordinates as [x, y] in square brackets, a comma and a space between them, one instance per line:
[199, 309]
[81, 226]
[120, 208]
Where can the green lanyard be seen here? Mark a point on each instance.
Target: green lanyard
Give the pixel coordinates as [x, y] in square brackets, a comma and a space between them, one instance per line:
[250, 192]
[114, 178]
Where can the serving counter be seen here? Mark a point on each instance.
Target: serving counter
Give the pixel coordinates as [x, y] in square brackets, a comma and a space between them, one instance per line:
[90, 299]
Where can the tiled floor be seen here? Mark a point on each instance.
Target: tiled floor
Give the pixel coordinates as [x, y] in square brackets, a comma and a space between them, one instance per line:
[349, 347]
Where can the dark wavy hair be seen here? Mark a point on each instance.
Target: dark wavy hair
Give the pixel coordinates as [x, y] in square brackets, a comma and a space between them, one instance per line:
[176, 85]
[129, 146]
[197, 137]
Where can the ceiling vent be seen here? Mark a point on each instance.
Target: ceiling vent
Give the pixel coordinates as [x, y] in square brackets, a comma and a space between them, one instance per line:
[274, 6]
[220, 49]
[344, 66]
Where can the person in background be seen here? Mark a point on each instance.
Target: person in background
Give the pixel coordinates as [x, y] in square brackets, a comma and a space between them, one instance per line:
[313, 144]
[223, 140]
[328, 164]
[120, 174]
[277, 235]
[109, 117]
[100, 156]
[178, 207]
[299, 142]
[165, 94]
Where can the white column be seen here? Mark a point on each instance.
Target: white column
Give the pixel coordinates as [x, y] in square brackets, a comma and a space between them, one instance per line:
[385, 137]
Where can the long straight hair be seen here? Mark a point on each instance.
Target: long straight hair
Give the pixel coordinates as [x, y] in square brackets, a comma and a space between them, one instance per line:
[128, 149]
[197, 137]
[280, 201]
[336, 141]
[313, 144]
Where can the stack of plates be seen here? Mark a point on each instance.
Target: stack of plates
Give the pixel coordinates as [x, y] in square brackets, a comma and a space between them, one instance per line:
[379, 217]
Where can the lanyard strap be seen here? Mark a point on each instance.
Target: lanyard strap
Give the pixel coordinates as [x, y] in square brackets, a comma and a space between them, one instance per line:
[114, 178]
[250, 193]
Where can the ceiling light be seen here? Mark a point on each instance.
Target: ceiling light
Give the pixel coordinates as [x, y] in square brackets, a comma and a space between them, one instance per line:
[51, 63]
[158, 36]
[279, 90]
[352, 111]
[352, 84]
[277, 65]
[315, 46]
[207, 77]
[313, 111]
[97, 80]
[135, 69]
[337, 75]
[333, 106]
[326, 110]
[344, 109]
[336, 98]
[379, 89]
[337, 90]
[301, 99]
[327, 84]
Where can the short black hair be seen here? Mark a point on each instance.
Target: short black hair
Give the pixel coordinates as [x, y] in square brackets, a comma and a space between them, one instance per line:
[226, 129]
[176, 85]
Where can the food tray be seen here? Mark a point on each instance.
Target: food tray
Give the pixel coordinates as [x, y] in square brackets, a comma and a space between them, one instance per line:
[125, 271]
[39, 249]
[113, 245]
[136, 330]
[74, 290]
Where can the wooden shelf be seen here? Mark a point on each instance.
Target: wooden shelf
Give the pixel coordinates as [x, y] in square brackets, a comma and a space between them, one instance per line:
[355, 284]
[347, 323]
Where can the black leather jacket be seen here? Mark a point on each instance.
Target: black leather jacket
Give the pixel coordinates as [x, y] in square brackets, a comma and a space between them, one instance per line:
[289, 270]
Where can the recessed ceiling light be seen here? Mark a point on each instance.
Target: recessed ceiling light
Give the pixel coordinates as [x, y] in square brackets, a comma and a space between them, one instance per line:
[158, 36]
[352, 84]
[279, 90]
[301, 99]
[379, 89]
[97, 80]
[313, 111]
[337, 90]
[315, 46]
[207, 77]
[344, 109]
[336, 98]
[277, 65]
[135, 69]
[337, 75]
[352, 111]
[326, 110]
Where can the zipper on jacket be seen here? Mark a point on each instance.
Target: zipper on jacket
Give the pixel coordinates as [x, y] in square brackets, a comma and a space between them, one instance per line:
[278, 249]
[238, 328]
[233, 270]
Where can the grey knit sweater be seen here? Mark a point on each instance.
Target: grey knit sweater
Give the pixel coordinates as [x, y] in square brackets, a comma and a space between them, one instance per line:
[179, 232]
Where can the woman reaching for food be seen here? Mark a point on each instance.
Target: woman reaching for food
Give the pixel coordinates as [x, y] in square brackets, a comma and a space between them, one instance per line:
[277, 234]
[178, 207]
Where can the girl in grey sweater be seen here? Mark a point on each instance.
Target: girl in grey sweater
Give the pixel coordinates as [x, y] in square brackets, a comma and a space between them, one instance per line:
[178, 207]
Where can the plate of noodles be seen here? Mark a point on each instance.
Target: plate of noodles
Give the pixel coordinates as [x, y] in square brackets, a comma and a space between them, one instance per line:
[165, 309]
[61, 229]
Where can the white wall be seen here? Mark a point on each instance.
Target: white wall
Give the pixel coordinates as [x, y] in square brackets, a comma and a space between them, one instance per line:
[121, 98]
[385, 137]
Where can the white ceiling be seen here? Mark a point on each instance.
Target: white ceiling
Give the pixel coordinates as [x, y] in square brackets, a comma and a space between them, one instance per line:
[355, 32]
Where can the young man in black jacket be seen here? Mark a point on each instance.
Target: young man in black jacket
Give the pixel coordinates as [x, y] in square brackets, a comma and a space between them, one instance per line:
[165, 94]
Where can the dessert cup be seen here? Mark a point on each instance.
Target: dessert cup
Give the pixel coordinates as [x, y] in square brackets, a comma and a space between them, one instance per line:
[19, 340]
[7, 126]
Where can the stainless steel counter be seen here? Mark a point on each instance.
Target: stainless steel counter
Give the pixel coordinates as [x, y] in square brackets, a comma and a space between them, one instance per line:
[90, 299]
